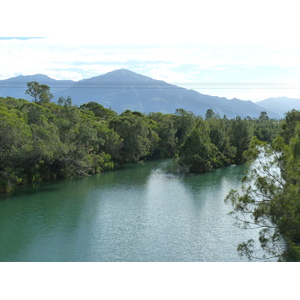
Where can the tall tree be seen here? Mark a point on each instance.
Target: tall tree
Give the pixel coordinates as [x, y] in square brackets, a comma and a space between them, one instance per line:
[184, 122]
[209, 114]
[64, 101]
[218, 133]
[134, 130]
[198, 152]
[241, 133]
[164, 126]
[40, 93]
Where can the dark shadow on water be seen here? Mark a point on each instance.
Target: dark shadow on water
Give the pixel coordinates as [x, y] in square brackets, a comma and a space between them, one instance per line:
[40, 187]
[121, 174]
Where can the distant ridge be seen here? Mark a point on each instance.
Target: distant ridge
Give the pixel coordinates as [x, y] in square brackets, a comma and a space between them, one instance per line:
[280, 105]
[123, 89]
[16, 86]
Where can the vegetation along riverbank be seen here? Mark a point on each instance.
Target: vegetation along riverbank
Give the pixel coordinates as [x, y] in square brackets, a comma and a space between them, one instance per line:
[43, 140]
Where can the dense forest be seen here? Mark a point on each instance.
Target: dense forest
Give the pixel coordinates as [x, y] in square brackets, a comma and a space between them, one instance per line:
[41, 140]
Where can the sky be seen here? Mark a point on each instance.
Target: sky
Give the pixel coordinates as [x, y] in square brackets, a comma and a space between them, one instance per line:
[249, 50]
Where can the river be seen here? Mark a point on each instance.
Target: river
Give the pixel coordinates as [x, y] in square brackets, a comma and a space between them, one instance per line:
[137, 213]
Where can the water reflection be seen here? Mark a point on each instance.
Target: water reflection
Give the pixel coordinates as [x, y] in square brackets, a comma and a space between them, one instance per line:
[138, 213]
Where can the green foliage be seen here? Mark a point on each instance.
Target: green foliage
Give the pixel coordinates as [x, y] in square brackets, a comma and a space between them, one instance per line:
[135, 133]
[198, 152]
[42, 140]
[64, 102]
[240, 133]
[266, 129]
[270, 199]
[39, 92]
[51, 141]
[184, 122]
[98, 110]
[216, 143]
[289, 125]
[15, 145]
[210, 114]
[164, 126]
[219, 136]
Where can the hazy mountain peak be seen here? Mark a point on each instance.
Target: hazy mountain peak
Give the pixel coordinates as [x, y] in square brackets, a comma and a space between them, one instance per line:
[280, 105]
[127, 76]
[122, 72]
[123, 89]
[36, 77]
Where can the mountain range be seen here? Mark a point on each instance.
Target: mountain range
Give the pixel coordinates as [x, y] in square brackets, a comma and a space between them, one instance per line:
[280, 105]
[123, 89]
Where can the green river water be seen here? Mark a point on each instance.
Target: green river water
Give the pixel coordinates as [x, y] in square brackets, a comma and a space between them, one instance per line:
[138, 213]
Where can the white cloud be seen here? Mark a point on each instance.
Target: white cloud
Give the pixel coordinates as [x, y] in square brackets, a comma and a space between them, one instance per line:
[50, 54]
[70, 75]
[44, 53]
[218, 22]
[169, 40]
[166, 74]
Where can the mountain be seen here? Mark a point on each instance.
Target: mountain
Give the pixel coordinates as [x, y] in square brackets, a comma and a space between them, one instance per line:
[124, 89]
[280, 105]
[16, 86]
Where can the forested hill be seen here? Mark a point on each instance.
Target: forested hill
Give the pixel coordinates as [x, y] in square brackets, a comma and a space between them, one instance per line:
[123, 89]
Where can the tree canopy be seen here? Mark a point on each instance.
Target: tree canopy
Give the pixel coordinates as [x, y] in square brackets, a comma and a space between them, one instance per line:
[270, 199]
[41, 140]
[40, 93]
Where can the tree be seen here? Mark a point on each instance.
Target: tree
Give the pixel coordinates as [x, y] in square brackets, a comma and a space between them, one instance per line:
[210, 114]
[184, 122]
[198, 152]
[15, 145]
[42, 142]
[39, 92]
[98, 110]
[253, 205]
[266, 129]
[164, 126]
[241, 133]
[263, 116]
[292, 118]
[134, 130]
[218, 133]
[107, 141]
[64, 102]
[270, 198]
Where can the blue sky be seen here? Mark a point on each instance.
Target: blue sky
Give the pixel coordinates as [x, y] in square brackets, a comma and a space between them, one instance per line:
[248, 50]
